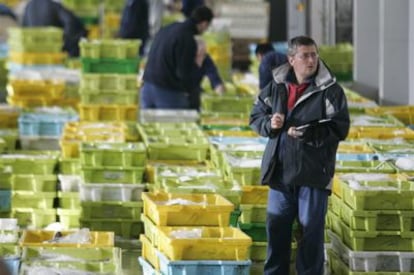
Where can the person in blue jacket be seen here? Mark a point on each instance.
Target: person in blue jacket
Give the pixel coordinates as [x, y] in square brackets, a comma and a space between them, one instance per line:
[168, 75]
[204, 67]
[269, 59]
[42, 13]
[135, 22]
[298, 163]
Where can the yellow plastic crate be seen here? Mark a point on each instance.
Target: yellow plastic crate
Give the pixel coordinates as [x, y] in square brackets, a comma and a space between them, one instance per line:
[149, 252]
[204, 243]
[8, 116]
[89, 112]
[26, 58]
[35, 88]
[385, 133]
[354, 147]
[112, 20]
[41, 238]
[254, 194]
[202, 209]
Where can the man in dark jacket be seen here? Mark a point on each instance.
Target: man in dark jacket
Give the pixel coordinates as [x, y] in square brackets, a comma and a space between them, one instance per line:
[304, 114]
[135, 22]
[42, 13]
[168, 80]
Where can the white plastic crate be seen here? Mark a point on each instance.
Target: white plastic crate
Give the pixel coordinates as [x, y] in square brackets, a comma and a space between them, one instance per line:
[167, 115]
[111, 192]
[372, 261]
[70, 183]
[8, 224]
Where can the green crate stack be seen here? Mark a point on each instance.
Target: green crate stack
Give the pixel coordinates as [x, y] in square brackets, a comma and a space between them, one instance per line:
[104, 164]
[371, 213]
[30, 175]
[109, 76]
[35, 39]
[112, 11]
[339, 59]
[219, 46]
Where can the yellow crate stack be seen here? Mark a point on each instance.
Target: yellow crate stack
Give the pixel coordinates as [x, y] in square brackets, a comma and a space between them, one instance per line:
[36, 50]
[175, 222]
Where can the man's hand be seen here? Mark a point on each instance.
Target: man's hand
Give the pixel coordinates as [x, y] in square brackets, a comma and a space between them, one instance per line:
[219, 89]
[277, 120]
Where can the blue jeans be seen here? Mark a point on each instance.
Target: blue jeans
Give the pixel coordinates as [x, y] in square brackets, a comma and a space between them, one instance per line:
[307, 205]
[155, 97]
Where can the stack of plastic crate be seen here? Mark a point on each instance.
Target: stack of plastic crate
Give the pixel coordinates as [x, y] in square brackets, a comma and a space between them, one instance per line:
[70, 173]
[69, 252]
[371, 222]
[30, 175]
[41, 128]
[112, 183]
[190, 234]
[89, 13]
[9, 247]
[109, 81]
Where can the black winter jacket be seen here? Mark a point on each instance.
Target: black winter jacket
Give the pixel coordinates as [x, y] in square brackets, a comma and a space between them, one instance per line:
[172, 57]
[310, 160]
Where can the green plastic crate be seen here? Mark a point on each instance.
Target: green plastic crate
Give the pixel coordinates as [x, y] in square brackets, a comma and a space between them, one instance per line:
[378, 195]
[29, 162]
[69, 217]
[124, 97]
[375, 220]
[35, 47]
[373, 166]
[257, 231]
[121, 228]
[113, 174]
[36, 200]
[9, 250]
[69, 200]
[112, 210]
[70, 166]
[253, 213]
[34, 218]
[111, 48]
[10, 137]
[109, 82]
[221, 103]
[26, 182]
[39, 35]
[110, 254]
[82, 4]
[113, 154]
[372, 240]
[107, 65]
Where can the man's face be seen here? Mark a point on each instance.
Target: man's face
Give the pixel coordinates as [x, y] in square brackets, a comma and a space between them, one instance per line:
[305, 61]
[203, 26]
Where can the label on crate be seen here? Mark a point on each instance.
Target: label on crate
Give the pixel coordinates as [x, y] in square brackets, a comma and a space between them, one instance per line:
[113, 175]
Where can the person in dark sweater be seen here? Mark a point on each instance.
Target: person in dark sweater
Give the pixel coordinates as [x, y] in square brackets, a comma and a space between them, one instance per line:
[135, 22]
[168, 75]
[42, 13]
[269, 59]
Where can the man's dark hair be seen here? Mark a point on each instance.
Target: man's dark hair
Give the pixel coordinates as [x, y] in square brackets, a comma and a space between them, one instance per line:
[298, 41]
[263, 48]
[201, 14]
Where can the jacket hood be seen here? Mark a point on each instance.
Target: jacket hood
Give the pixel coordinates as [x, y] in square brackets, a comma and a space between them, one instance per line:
[324, 78]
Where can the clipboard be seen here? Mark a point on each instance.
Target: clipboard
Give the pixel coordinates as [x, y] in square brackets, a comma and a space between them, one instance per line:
[312, 124]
